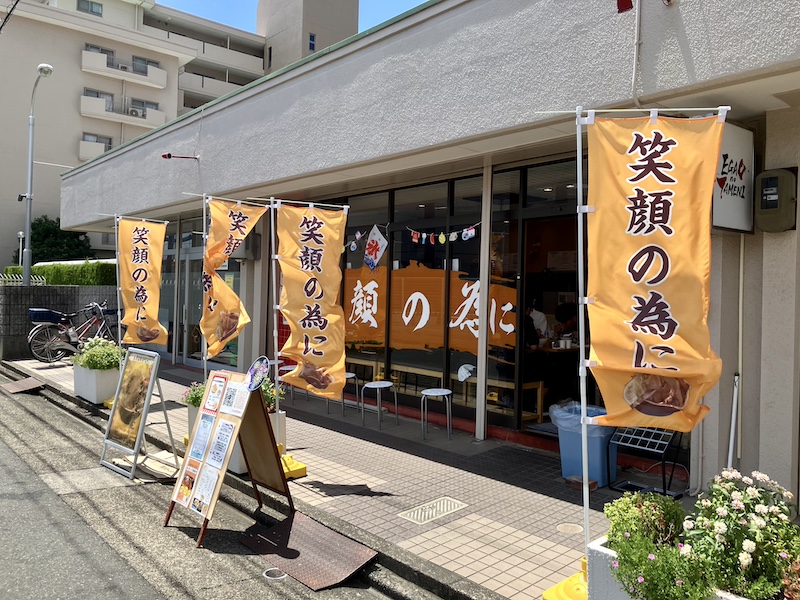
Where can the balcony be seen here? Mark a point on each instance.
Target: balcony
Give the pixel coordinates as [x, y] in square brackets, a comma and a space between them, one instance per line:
[87, 150]
[100, 64]
[201, 85]
[99, 108]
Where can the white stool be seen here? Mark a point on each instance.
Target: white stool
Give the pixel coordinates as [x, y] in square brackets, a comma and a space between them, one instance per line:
[349, 375]
[285, 369]
[378, 386]
[447, 396]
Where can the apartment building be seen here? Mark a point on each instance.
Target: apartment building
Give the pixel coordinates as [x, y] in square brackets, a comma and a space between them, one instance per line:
[121, 69]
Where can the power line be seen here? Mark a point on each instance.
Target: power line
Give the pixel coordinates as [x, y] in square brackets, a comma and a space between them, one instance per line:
[8, 15]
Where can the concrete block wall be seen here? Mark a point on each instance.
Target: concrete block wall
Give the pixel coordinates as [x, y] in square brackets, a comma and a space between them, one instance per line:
[15, 301]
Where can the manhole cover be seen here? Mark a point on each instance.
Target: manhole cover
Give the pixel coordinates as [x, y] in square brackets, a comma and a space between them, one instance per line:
[432, 510]
[569, 528]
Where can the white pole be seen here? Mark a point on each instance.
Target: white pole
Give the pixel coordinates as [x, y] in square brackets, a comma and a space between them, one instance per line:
[582, 327]
[202, 307]
[119, 282]
[273, 256]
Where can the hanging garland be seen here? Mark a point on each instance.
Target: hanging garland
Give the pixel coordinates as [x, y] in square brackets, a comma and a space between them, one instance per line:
[443, 237]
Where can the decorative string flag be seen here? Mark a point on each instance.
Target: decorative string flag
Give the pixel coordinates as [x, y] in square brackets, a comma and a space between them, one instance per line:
[443, 237]
[224, 315]
[141, 247]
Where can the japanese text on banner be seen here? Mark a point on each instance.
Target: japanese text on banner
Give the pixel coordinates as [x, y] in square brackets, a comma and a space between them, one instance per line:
[141, 248]
[309, 249]
[648, 268]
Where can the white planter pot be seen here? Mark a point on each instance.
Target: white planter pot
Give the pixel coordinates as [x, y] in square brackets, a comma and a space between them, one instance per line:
[278, 422]
[191, 417]
[603, 586]
[95, 386]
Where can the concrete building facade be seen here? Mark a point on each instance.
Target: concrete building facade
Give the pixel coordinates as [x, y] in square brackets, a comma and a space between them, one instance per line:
[461, 106]
[121, 69]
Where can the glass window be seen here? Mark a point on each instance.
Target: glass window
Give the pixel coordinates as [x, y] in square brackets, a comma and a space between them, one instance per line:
[93, 8]
[553, 183]
[421, 203]
[468, 195]
[140, 64]
[312, 41]
[139, 108]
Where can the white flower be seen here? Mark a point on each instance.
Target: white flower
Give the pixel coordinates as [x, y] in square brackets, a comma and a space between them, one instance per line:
[720, 527]
[737, 495]
[688, 525]
[783, 517]
[788, 495]
[686, 550]
[761, 509]
[737, 505]
[752, 492]
[745, 559]
[705, 503]
[759, 522]
[749, 546]
[747, 481]
[720, 538]
[759, 476]
[774, 510]
[722, 511]
[726, 474]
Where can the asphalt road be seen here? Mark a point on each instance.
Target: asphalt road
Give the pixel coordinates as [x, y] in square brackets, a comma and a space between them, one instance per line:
[73, 529]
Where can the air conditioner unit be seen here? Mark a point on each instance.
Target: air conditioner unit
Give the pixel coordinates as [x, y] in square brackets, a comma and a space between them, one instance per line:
[134, 112]
[123, 67]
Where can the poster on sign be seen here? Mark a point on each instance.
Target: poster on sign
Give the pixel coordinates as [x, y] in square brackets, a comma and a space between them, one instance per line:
[733, 184]
[649, 256]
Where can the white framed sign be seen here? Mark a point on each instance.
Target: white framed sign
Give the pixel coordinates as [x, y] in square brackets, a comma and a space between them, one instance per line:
[733, 188]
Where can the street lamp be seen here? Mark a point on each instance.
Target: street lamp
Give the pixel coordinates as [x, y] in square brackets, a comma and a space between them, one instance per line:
[44, 70]
[21, 236]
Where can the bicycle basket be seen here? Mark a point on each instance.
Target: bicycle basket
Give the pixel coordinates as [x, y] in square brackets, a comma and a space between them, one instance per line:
[45, 315]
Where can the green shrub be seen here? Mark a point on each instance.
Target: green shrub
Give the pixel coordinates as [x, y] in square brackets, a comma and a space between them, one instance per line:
[652, 516]
[98, 354]
[87, 273]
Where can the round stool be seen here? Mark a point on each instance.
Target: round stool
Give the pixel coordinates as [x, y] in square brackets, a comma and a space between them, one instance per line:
[378, 386]
[349, 375]
[447, 396]
[285, 369]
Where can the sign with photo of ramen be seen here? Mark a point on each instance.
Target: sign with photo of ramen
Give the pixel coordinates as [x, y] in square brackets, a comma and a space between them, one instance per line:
[129, 411]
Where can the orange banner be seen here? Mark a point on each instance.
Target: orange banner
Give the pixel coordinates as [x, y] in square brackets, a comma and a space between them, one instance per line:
[418, 315]
[141, 248]
[310, 241]
[224, 315]
[649, 254]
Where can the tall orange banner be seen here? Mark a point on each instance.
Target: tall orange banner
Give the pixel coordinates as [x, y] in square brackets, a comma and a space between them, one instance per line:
[310, 241]
[141, 248]
[649, 257]
[224, 315]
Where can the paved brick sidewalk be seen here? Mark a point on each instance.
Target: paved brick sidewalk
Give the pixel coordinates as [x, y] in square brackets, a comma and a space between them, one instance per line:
[518, 533]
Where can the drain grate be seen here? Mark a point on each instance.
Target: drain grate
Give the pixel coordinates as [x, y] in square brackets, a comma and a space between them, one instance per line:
[432, 510]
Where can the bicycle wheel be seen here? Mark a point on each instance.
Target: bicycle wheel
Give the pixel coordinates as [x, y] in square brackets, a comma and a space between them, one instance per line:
[41, 343]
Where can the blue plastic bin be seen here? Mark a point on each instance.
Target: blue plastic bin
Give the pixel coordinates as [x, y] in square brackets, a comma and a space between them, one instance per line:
[568, 420]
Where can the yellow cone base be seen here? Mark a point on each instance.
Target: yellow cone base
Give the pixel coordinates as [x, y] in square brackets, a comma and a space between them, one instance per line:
[109, 402]
[573, 587]
[292, 468]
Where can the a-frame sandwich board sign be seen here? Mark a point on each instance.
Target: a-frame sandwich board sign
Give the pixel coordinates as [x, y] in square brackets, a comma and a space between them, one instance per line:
[230, 409]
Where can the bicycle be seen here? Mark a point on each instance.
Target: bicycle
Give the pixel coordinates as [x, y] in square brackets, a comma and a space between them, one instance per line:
[55, 333]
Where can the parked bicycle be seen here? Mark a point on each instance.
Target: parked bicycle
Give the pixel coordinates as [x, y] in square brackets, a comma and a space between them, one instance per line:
[56, 334]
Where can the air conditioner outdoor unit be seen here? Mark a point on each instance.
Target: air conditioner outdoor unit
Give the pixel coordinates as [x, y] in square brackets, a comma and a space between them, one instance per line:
[134, 112]
[123, 67]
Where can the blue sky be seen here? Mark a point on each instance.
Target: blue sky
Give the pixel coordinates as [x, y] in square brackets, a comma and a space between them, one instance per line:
[242, 13]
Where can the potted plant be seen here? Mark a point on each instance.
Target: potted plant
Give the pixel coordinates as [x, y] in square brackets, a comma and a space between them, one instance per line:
[96, 370]
[739, 542]
[193, 397]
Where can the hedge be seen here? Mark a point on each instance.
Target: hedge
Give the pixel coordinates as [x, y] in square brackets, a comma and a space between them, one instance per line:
[88, 273]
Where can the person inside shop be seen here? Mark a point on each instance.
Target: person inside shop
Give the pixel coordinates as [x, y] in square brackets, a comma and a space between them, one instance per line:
[567, 316]
[539, 321]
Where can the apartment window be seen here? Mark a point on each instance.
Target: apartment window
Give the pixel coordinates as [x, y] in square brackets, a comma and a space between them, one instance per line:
[140, 64]
[93, 8]
[312, 41]
[107, 239]
[100, 50]
[139, 107]
[269, 57]
[109, 98]
[98, 139]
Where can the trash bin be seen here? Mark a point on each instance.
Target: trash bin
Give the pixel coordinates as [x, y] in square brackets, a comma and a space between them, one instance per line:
[567, 417]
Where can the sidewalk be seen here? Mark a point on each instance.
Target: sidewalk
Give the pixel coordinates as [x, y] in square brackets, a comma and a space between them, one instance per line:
[518, 532]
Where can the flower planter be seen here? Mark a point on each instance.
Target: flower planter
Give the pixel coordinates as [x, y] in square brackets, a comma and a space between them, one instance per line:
[278, 422]
[193, 411]
[93, 385]
[603, 586]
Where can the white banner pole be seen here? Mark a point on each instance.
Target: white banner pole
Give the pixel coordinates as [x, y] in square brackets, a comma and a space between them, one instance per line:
[202, 307]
